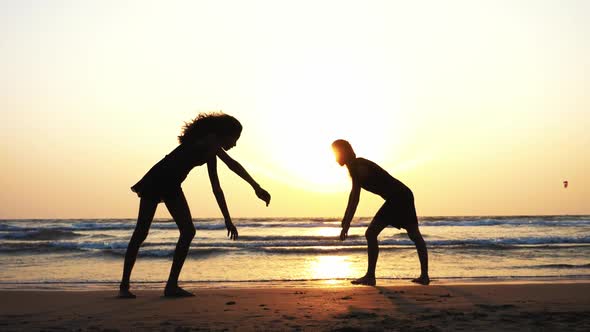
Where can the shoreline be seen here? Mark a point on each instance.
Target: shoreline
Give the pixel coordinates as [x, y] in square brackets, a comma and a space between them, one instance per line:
[286, 284]
[440, 307]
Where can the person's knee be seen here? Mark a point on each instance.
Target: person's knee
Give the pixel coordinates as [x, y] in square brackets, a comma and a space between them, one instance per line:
[139, 235]
[419, 242]
[416, 237]
[187, 233]
[371, 234]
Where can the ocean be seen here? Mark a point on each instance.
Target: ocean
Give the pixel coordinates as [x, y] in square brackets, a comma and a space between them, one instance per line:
[83, 253]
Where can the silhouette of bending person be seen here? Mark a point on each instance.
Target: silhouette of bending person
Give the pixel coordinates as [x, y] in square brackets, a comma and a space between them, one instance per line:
[203, 140]
[397, 211]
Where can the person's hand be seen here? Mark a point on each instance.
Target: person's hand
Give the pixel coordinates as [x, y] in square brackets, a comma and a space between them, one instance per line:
[344, 233]
[263, 195]
[232, 231]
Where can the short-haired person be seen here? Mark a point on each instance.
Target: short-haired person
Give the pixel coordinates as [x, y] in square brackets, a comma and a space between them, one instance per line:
[397, 211]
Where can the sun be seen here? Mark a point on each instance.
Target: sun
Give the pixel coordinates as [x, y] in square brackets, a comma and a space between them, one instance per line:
[306, 159]
[309, 163]
[308, 107]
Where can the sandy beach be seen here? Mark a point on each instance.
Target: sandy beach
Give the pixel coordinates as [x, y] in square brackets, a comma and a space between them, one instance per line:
[452, 307]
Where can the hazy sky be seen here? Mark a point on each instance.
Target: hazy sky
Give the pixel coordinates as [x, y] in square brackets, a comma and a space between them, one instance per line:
[481, 107]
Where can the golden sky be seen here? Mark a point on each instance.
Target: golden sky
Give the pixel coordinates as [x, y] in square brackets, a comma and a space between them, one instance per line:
[481, 107]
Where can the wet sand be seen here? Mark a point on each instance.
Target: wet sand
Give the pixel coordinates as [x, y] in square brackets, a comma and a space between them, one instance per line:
[482, 307]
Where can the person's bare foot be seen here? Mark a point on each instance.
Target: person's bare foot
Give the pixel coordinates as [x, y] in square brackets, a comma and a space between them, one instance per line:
[177, 292]
[422, 280]
[124, 293]
[366, 280]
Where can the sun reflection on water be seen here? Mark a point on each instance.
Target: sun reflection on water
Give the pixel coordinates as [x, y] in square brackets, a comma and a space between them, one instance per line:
[329, 232]
[330, 268]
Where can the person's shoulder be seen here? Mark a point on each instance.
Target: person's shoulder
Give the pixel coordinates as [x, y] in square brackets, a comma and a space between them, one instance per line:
[362, 162]
[366, 166]
[357, 162]
[359, 166]
[202, 144]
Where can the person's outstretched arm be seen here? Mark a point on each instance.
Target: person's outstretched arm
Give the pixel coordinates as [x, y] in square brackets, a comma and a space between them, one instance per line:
[241, 171]
[353, 202]
[232, 232]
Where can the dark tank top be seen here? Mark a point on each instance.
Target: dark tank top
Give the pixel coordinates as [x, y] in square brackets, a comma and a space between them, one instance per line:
[165, 177]
[176, 165]
[375, 179]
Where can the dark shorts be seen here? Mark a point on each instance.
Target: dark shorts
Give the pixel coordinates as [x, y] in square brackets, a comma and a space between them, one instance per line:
[399, 213]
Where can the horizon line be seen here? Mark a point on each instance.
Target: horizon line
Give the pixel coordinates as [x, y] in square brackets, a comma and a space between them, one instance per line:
[304, 217]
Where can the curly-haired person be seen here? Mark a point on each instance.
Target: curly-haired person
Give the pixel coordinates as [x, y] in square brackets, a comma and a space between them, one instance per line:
[202, 141]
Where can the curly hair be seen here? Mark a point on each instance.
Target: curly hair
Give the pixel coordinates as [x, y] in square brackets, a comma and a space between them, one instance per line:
[217, 123]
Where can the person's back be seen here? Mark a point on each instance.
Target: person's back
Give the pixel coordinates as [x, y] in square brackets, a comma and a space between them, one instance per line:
[375, 179]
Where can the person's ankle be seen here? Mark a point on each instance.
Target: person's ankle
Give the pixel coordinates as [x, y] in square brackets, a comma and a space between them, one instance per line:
[124, 286]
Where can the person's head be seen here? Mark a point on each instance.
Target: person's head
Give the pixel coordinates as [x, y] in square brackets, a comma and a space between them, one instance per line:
[343, 151]
[225, 128]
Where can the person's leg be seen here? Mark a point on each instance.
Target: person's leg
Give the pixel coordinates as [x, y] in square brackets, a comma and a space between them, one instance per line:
[181, 214]
[371, 234]
[147, 209]
[415, 235]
